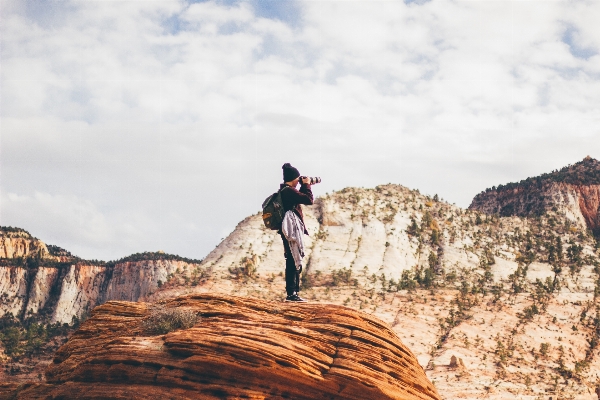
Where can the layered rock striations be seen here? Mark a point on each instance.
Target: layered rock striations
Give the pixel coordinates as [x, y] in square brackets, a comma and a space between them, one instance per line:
[239, 348]
[574, 191]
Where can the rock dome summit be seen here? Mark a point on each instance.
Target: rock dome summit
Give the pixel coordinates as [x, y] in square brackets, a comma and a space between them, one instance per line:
[238, 348]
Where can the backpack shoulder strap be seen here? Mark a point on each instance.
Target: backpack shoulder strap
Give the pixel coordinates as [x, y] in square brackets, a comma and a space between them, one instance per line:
[282, 189]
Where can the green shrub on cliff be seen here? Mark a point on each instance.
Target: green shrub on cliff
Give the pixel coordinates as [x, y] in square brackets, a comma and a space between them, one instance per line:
[246, 269]
[153, 256]
[7, 230]
[58, 251]
[585, 172]
[11, 339]
[28, 337]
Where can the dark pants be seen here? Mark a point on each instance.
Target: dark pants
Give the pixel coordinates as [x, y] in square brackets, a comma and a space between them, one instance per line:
[292, 276]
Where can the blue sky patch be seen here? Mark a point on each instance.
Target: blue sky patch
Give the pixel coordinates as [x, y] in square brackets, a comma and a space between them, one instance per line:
[570, 38]
[287, 11]
[419, 2]
[172, 24]
[47, 14]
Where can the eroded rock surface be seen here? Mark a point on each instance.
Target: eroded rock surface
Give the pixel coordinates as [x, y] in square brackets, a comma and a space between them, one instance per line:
[239, 348]
[57, 287]
[16, 243]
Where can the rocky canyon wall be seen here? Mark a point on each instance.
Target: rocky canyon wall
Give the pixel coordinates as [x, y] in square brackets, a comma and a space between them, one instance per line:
[64, 290]
[589, 205]
[579, 203]
[20, 244]
[573, 191]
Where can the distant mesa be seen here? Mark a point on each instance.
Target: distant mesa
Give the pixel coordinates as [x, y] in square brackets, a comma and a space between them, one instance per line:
[573, 191]
[238, 348]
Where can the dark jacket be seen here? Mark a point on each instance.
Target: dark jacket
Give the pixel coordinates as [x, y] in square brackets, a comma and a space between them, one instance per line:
[292, 198]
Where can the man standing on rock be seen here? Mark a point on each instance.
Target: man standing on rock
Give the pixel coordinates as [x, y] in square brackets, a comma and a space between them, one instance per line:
[291, 199]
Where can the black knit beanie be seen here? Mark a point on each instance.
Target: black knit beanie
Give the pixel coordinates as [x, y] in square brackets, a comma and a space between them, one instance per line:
[289, 173]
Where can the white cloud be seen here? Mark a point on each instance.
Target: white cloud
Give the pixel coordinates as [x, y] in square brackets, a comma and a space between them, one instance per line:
[76, 223]
[165, 123]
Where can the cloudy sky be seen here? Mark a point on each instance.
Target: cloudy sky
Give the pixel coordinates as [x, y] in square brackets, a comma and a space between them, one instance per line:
[131, 126]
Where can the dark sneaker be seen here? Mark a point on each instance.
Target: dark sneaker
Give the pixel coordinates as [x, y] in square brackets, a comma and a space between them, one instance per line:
[295, 298]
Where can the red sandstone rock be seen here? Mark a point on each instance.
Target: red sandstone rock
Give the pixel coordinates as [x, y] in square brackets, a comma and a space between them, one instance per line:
[580, 203]
[574, 191]
[589, 204]
[240, 348]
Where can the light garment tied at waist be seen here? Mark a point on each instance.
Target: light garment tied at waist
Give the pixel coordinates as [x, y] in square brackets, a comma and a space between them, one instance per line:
[293, 229]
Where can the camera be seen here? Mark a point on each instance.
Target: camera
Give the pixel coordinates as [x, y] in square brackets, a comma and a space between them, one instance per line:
[312, 180]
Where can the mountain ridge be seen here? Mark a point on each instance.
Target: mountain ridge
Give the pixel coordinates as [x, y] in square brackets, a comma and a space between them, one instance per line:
[573, 190]
[514, 301]
[585, 172]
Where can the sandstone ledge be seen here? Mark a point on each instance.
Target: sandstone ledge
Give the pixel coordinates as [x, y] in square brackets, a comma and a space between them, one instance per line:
[240, 348]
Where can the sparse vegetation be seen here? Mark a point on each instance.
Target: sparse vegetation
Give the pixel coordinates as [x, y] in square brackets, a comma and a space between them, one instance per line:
[31, 337]
[246, 268]
[14, 230]
[153, 256]
[58, 251]
[163, 320]
[586, 172]
[343, 276]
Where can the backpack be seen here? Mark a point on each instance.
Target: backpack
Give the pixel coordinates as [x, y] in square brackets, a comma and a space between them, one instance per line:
[272, 210]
